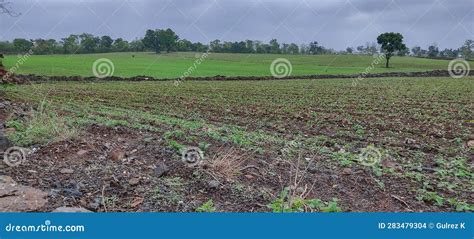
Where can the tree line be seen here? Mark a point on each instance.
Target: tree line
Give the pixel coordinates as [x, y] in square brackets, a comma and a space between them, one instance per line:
[166, 40]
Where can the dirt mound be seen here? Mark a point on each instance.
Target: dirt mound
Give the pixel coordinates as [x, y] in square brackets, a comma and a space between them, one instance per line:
[22, 79]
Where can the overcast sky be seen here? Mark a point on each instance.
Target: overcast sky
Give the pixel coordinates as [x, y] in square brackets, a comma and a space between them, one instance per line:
[333, 23]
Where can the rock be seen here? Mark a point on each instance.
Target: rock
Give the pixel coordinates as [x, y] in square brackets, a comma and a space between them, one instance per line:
[134, 181]
[117, 154]
[312, 167]
[18, 198]
[96, 203]
[161, 169]
[412, 144]
[213, 184]
[81, 152]
[71, 192]
[4, 144]
[54, 193]
[347, 171]
[248, 176]
[387, 163]
[67, 171]
[6, 179]
[409, 141]
[470, 143]
[137, 201]
[70, 209]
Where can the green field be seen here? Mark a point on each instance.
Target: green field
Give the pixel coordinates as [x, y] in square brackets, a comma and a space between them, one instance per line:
[419, 127]
[173, 65]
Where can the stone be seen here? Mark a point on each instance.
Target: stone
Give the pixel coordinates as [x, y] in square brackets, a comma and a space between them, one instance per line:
[470, 143]
[95, 204]
[6, 179]
[347, 171]
[19, 198]
[213, 184]
[248, 176]
[312, 167]
[81, 152]
[134, 181]
[70, 209]
[117, 154]
[161, 169]
[136, 202]
[4, 144]
[71, 192]
[67, 171]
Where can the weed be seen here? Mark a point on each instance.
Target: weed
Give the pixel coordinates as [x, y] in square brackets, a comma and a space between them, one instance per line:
[286, 202]
[429, 196]
[460, 206]
[175, 145]
[42, 126]
[206, 207]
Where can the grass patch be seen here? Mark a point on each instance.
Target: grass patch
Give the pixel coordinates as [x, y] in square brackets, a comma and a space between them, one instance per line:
[173, 65]
[41, 126]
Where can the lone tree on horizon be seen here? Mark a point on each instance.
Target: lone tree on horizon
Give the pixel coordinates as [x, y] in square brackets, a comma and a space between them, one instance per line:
[391, 43]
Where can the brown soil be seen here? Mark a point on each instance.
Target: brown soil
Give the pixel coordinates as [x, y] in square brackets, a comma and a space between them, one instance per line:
[80, 173]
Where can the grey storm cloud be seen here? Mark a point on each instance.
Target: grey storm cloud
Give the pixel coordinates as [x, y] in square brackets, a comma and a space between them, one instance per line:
[333, 23]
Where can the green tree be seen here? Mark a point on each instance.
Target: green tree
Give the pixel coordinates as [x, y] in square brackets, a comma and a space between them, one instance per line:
[6, 47]
[120, 45]
[184, 45]
[467, 49]
[49, 46]
[391, 42]
[168, 40]
[433, 51]
[136, 45]
[349, 50]
[89, 43]
[216, 46]
[22, 45]
[416, 51]
[315, 48]
[274, 47]
[152, 41]
[293, 48]
[105, 43]
[70, 44]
